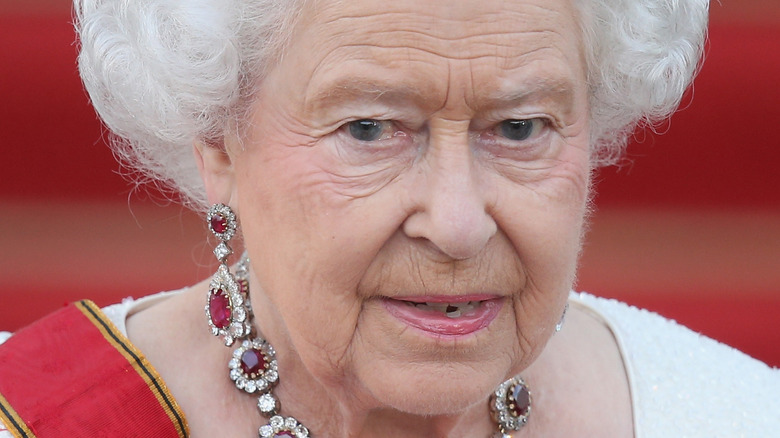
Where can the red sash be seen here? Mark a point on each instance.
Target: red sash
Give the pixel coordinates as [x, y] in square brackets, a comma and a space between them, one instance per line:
[73, 374]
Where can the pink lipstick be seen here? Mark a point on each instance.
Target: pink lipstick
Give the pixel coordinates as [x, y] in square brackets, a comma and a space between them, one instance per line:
[445, 315]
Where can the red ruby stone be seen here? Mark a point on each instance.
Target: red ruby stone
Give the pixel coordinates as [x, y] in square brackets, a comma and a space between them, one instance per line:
[522, 400]
[218, 224]
[219, 308]
[284, 434]
[252, 362]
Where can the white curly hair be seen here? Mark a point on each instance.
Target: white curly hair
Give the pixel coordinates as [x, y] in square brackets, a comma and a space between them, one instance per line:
[165, 73]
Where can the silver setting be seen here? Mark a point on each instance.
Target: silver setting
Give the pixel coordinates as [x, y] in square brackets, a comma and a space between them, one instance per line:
[268, 404]
[242, 270]
[235, 288]
[226, 213]
[240, 309]
[222, 251]
[278, 424]
[502, 405]
[265, 379]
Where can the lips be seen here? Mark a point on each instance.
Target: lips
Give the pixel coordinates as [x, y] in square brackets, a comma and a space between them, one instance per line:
[445, 316]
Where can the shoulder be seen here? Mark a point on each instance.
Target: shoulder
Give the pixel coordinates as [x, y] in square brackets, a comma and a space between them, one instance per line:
[119, 312]
[71, 332]
[685, 384]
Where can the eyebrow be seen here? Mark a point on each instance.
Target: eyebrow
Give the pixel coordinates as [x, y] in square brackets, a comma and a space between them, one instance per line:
[560, 89]
[358, 89]
[351, 89]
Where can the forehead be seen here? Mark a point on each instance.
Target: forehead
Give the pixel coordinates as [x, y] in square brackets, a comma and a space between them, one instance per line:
[436, 47]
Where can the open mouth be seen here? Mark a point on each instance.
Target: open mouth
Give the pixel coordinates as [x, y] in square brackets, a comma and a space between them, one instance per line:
[453, 316]
[450, 310]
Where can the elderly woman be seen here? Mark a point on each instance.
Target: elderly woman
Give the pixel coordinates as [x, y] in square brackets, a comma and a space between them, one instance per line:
[410, 182]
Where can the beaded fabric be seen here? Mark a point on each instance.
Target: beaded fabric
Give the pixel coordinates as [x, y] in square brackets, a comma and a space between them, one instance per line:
[684, 384]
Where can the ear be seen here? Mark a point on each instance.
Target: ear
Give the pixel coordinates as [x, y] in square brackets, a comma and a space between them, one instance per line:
[216, 170]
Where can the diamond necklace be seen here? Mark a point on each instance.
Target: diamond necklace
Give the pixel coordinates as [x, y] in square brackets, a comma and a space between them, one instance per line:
[254, 369]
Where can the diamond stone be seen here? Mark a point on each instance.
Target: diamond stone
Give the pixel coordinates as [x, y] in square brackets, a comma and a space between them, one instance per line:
[240, 314]
[266, 403]
[250, 386]
[301, 432]
[266, 431]
[222, 251]
[290, 423]
[277, 422]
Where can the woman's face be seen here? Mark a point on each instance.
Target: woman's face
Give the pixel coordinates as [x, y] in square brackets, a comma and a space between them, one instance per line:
[413, 152]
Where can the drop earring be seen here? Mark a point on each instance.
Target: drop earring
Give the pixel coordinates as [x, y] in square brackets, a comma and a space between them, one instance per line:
[561, 321]
[228, 310]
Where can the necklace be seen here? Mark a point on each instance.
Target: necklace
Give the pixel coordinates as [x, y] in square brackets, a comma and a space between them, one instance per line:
[254, 369]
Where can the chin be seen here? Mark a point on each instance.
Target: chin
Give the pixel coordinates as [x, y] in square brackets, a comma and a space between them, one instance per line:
[435, 389]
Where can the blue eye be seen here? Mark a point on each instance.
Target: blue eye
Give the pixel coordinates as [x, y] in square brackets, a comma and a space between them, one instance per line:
[366, 129]
[519, 130]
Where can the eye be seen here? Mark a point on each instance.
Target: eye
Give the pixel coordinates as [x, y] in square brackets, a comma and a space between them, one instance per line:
[519, 130]
[367, 129]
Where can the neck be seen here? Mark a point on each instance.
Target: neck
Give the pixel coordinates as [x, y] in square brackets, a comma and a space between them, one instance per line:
[341, 410]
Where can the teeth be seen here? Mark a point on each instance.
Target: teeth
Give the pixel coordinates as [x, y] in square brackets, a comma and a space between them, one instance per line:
[452, 310]
[453, 314]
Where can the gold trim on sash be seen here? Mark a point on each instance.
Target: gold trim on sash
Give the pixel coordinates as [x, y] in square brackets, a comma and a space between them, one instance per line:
[13, 421]
[139, 363]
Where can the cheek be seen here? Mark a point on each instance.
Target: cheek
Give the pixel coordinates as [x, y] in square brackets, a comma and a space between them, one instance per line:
[544, 214]
[544, 222]
[310, 244]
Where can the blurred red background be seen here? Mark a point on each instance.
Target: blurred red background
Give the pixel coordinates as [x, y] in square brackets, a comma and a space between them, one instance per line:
[688, 226]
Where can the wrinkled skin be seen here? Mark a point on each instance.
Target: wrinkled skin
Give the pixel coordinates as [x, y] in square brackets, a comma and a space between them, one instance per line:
[437, 199]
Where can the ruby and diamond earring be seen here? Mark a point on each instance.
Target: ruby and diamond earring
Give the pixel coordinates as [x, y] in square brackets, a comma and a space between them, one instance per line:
[228, 310]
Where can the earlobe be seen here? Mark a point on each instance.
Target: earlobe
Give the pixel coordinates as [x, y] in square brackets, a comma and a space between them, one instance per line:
[216, 170]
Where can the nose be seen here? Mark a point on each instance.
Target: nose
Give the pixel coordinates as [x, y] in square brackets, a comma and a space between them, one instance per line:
[452, 203]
